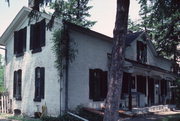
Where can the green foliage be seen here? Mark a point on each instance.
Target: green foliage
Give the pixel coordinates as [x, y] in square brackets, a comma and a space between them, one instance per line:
[79, 111]
[175, 117]
[22, 118]
[65, 117]
[2, 88]
[74, 11]
[134, 26]
[160, 19]
[64, 48]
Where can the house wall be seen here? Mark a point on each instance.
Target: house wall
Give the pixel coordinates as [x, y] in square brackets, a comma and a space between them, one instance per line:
[92, 54]
[28, 63]
[131, 53]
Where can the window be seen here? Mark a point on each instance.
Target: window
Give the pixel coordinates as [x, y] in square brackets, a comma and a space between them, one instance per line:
[39, 83]
[17, 84]
[97, 84]
[20, 42]
[37, 36]
[141, 52]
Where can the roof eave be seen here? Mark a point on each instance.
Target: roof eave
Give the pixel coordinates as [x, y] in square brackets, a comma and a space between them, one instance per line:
[19, 17]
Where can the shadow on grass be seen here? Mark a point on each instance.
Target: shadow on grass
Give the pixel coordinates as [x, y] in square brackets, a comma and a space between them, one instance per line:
[154, 117]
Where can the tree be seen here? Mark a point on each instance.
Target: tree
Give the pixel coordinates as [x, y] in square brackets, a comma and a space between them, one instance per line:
[2, 88]
[134, 26]
[74, 11]
[117, 60]
[161, 20]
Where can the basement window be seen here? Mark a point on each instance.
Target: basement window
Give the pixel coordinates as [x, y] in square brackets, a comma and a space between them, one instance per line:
[141, 52]
[37, 36]
[97, 84]
[20, 42]
[17, 84]
[39, 83]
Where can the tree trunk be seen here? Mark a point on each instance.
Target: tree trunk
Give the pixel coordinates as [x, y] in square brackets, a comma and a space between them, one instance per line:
[116, 69]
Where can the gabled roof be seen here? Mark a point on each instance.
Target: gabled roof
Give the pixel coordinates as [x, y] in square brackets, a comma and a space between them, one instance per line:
[19, 18]
[24, 12]
[131, 37]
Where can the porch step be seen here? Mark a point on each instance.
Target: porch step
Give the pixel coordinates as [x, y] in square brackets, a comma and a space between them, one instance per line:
[152, 109]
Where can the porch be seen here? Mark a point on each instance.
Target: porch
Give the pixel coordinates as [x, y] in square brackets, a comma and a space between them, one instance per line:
[145, 85]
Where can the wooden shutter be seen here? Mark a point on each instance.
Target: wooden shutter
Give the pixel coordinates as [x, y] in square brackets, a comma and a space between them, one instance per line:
[42, 83]
[141, 84]
[24, 38]
[14, 84]
[32, 36]
[36, 83]
[125, 83]
[103, 84]
[15, 41]
[42, 32]
[19, 82]
[91, 84]
[138, 50]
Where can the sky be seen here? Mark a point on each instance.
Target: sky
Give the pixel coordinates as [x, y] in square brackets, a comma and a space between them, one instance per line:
[103, 12]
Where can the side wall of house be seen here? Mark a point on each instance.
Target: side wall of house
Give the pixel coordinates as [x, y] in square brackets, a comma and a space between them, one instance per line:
[131, 53]
[27, 63]
[92, 54]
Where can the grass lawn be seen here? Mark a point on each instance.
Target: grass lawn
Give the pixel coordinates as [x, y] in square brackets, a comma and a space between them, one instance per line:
[175, 117]
[21, 118]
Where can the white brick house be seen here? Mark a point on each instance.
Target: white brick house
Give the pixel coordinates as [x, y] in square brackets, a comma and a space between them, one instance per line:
[32, 79]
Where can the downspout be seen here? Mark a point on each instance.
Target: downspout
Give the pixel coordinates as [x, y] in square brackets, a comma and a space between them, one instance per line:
[67, 66]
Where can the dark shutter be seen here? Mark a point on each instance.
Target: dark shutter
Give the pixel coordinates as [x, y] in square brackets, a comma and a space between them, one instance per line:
[14, 84]
[151, 90]
[32, 36]
[145, 53]
[103, 84]
[24, 38]
[125, 83]
[36, 83]
[20, 42]
[166, 86]
[15, 41]
[19, 83]
[138, 50]
[42, 83]
[91, 84]
[42, 32]
[141, 84]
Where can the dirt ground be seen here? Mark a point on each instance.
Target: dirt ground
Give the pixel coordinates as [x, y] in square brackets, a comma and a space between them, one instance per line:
[156, 116]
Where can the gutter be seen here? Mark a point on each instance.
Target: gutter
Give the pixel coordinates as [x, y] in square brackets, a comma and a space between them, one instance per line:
[67, 67]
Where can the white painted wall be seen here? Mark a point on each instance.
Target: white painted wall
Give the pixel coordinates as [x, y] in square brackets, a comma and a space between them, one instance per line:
[92, 53]
[28, 63]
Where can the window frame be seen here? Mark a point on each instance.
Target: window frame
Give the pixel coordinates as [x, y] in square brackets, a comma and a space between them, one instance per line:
[20, 42]
[17, 85]
[37, 36]
[141, 51]
[39, 85]
[98, 84]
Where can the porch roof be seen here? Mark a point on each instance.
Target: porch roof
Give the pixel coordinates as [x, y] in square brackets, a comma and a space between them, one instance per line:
[150, 68]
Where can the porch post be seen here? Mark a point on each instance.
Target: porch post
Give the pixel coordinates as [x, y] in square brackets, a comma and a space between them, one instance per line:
[147, 79]
[129, 91]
